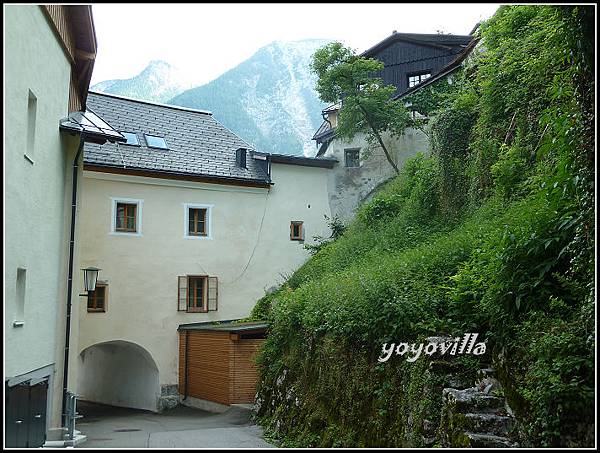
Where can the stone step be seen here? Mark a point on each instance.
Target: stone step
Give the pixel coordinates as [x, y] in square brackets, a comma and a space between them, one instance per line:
[472, 400]
[488, 441]
[486, 373]
[498, 425]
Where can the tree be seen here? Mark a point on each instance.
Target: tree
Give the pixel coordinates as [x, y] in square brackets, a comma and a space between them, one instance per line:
[367, 104]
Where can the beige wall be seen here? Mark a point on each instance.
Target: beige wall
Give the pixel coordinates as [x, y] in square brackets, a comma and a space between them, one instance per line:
[349, 187]
[250, 252]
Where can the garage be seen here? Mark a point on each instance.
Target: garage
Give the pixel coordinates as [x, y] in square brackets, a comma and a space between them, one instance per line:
[216, 362]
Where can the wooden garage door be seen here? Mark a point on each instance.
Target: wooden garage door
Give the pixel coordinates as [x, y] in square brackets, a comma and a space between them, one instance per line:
[208, 365]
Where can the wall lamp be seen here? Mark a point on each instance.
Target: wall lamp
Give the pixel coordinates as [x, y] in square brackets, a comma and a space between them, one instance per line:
[90, 277]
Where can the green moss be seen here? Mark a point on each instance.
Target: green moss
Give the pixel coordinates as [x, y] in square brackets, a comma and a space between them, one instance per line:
[492, 234]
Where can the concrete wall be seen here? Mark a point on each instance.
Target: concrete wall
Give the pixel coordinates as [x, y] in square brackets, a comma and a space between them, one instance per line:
[250, 252]
[36, 178]
[349, 187]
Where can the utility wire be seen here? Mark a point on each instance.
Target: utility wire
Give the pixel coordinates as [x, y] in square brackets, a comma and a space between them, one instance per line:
[255, 244]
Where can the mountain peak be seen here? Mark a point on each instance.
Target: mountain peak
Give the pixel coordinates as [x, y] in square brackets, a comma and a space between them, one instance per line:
[158, 64]
[269, 100]
[159, 82]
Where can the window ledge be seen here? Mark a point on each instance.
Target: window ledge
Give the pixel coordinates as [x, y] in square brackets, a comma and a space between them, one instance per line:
[18, 323]
[123, 233]
[198, 237]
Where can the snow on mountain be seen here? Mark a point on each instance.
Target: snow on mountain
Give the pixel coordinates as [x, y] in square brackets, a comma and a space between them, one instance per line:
[158, 82]
[269, 100]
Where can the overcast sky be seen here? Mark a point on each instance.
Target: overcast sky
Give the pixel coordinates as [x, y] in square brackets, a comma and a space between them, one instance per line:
[205, 40]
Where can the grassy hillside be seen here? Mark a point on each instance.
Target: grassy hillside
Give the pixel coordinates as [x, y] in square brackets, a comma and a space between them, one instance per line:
[493, 233]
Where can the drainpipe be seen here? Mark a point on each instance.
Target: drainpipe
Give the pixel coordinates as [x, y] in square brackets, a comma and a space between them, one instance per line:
[187, 347]
[70, 279]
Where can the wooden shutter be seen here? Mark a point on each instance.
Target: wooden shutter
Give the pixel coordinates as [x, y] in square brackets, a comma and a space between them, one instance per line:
[182, 292]
[204, 295]
[213, 293]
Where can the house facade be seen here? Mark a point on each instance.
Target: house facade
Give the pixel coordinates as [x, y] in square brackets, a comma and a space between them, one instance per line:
[49, 56]
[411, 61]
[187, 225]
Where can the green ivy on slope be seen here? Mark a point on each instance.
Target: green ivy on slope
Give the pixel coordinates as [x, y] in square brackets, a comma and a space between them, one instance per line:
[492, 233]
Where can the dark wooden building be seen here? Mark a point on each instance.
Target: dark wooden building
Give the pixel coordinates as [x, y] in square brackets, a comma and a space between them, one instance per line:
[411, 58]
[410, 61]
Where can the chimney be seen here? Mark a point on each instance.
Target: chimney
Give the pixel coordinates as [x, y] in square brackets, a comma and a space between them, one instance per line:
[240, 157]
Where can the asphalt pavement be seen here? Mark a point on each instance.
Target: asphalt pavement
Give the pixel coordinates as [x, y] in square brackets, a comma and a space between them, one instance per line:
[182, 427]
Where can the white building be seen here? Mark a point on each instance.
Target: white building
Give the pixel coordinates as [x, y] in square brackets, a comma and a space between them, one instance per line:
[49, 56]
[188, 225]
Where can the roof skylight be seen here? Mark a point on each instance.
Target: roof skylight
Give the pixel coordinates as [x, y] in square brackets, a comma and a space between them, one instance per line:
[155, 141]
[131, 138]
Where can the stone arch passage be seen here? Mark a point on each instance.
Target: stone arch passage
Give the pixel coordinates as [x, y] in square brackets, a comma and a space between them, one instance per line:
[118, 373]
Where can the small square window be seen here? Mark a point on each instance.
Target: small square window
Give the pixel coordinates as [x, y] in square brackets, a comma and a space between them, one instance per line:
[415, 79]
[126, 217]
[154, 141]
[297, 231]
[352, 158]
[131, 139]
[197, 222]
[97, 298]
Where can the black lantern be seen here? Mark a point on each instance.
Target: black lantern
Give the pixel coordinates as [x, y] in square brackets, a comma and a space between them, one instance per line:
[90, 276]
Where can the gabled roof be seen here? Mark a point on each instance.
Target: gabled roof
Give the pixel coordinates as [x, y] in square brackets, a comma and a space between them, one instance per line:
[325, 130]
[449, 68]
[440, 41]
[199, 146]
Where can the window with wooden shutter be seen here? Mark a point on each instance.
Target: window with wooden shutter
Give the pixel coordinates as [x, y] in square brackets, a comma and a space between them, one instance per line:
[213, 293]
[197, 293]
[182, 293]
[97, 299]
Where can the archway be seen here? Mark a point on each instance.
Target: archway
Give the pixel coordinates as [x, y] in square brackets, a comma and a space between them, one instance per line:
[118, 373]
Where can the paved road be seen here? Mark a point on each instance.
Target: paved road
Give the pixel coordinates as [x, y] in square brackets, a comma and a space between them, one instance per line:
[183, 427]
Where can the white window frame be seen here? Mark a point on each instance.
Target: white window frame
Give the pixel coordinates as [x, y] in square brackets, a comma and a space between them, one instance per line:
[186, 220]
[113, 216]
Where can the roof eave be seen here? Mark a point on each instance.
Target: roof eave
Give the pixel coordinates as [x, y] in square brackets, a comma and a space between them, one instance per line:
[150, 172]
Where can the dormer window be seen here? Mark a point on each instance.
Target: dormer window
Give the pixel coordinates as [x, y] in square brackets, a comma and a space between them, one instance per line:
[240, 157]
[131, 138]
[415, 79]
[155, 141]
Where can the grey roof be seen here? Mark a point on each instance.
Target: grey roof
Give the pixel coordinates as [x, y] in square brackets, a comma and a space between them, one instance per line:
[198, 144]
[322, 162]
[434, 40]
[324, 132]
[226, 326]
